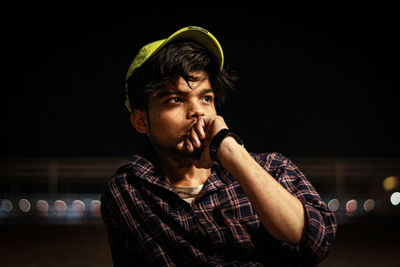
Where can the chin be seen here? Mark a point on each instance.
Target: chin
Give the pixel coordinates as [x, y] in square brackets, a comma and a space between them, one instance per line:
[175, 152]
[194, 155]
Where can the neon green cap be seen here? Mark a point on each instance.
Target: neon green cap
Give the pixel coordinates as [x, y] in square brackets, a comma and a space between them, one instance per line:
[191, 33]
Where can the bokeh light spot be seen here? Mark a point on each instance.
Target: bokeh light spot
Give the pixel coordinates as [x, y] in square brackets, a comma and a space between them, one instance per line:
[390, 183]
[78, 208]
[42, 207]
[60, 207]
[395, 198]
[351, 206]
[95, 208]
[369, 205]
[24, 205]
[333, 204]
[7, 205]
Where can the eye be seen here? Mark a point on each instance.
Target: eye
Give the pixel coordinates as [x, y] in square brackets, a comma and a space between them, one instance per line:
[175, 100]
[208, 98]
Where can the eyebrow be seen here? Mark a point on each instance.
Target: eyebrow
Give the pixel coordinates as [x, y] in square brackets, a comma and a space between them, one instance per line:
[162, 94]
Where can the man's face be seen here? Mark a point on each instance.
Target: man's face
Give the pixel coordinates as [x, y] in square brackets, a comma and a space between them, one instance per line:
[174, 110]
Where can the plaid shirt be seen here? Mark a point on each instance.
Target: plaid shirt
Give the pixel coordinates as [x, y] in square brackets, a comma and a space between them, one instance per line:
[148, 224]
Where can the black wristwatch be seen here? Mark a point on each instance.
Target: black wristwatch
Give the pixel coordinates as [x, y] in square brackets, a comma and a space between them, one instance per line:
[216, 142]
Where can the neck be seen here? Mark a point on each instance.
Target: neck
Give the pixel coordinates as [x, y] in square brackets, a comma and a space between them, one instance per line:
[181, 171]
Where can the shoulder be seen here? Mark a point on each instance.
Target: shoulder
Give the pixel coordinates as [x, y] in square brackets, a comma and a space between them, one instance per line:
[276, 164]
[137, 166]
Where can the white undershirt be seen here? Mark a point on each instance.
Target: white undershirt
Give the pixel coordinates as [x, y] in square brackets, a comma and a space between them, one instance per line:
[187, 193]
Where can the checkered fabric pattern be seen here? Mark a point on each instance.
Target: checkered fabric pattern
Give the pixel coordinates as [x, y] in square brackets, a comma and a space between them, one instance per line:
[148, 224]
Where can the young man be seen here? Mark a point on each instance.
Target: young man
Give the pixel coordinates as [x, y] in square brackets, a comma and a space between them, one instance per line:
[197, 196]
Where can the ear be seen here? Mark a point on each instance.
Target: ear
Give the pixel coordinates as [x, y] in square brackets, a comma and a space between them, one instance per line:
[139, 121]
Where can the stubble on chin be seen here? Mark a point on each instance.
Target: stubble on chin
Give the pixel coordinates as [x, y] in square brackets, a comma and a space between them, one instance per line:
[195, 155]
[180, 155]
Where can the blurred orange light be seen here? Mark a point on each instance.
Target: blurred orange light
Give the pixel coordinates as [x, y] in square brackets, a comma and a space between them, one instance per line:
[390, 183]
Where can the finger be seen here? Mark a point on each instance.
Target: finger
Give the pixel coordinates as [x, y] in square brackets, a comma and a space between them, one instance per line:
[195, 138]
[181, 145]
[199, 127]
[189, 146]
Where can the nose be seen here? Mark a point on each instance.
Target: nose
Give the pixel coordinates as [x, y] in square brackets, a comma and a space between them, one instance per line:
[195, 110]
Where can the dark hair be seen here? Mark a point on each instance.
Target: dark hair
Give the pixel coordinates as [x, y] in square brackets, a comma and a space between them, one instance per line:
[178, 59]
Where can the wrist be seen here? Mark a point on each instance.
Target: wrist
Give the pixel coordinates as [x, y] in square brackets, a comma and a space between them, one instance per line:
[228, 149]
[223, 136]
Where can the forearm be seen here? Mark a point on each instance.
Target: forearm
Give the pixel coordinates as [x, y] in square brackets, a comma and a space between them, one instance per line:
[281, 213]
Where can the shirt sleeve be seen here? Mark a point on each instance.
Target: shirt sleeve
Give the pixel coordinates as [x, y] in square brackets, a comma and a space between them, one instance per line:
[120, 239]
[321, 223]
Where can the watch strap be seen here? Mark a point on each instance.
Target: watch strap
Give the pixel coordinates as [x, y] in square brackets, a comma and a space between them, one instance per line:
[217, 140]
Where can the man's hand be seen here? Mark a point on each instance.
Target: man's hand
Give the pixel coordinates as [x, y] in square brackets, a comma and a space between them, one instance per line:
[201, 134]
[281, 213]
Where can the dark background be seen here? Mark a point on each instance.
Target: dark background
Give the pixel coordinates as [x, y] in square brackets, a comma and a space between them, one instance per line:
[316, 79]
